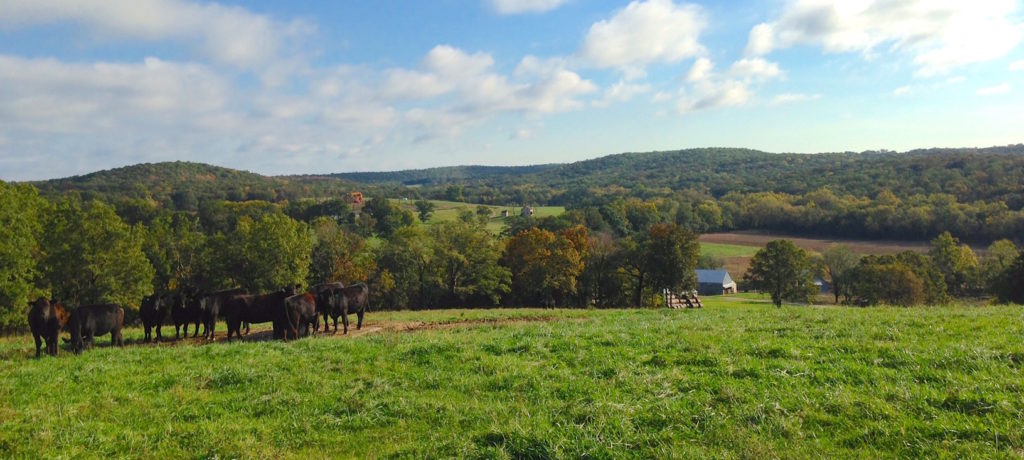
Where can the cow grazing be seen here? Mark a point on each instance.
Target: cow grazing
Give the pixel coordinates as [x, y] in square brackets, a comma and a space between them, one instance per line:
[301, 312]
[327, 303]
[213, 305]
[152, 313]
[354, 298]
[264, 308]
[46, 320]
[89, 321]
[185, 310]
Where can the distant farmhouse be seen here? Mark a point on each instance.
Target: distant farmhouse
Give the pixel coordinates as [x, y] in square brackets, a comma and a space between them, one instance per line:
[715, 282]
[527, 211]
[355, 198]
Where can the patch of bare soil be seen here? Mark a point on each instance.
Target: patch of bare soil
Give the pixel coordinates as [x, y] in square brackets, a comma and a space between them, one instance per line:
[752, 238]
[263, 333]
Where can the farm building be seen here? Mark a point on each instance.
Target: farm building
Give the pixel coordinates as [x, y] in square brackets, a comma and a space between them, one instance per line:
[715, 282]
[527, 211]
[355, 198]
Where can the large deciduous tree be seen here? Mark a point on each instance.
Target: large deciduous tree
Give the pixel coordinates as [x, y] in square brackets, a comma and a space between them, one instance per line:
[175, 247]
[672, 254]
[337, 255]
[545, 265]
[265, 255]
[20, 228]
[837, 263]
[957, 263]
[466, 261]
[783, 270]
[998, 259]
[92, 256]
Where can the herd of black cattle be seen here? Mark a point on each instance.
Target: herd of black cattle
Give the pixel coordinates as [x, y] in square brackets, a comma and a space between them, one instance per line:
[291, 312]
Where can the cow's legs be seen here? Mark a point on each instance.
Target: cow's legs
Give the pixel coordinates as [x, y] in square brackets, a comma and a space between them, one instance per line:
[359, 325]
[39, 344]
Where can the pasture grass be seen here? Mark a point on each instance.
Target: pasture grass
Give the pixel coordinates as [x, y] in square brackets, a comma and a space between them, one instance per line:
[732, 380]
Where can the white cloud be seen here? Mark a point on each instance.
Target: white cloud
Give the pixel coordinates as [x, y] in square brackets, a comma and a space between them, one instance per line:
[902, 91]
[1017, 66]
[994, 90]
[789, 98]
[700, 70]
[525, 6]
[728, 93]
[227, 34]
[938, 35]
[735, 87]
[470, 80]
[643, 33]
[622, 91]
[755, 68]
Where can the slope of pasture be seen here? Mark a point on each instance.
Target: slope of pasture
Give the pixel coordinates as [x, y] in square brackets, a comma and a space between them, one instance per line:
[733, 380]
[738, 247]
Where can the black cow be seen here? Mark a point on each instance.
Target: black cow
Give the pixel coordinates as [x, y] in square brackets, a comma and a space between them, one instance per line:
[89, 321]
[301, 312]
[185, 310]
[152, 313]
[46, 320]
[354, 298]
[327, 303]
[212, 305]
[257, 309]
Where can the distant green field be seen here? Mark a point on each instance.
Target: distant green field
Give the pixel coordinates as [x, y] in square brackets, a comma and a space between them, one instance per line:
[733, 380]
[728, 250]
[449, 210]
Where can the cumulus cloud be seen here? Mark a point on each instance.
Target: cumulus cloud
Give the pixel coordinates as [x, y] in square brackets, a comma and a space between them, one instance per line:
[227, 34]
[622, 91]
[734, 87]
[643, 33]
[470, 81]
[700, 70]
[995, 90]
[755, 68]
[525, 6]
[937, 35]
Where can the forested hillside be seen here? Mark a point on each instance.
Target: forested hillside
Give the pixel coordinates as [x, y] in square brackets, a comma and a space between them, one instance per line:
[182, 185]
[977, 194]
[989, 174]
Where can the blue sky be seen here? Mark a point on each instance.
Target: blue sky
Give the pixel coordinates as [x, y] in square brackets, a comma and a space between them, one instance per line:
[318, 87]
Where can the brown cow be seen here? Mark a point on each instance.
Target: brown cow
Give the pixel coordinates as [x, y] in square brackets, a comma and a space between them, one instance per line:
[46, 320]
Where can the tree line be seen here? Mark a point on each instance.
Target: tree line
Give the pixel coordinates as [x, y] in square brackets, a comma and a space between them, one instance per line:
[83, 251]
[948, 271]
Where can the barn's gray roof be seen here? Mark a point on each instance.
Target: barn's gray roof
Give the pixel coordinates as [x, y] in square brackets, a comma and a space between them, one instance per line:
[714, 277]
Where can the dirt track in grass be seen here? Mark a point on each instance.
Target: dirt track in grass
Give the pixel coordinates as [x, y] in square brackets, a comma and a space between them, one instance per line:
[263, 332]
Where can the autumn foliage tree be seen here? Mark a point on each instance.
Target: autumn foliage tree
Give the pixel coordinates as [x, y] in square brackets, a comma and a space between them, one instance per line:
[545, 265]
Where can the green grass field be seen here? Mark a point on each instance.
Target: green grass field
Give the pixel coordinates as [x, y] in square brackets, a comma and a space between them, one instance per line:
[449, 210]
[733, 380]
